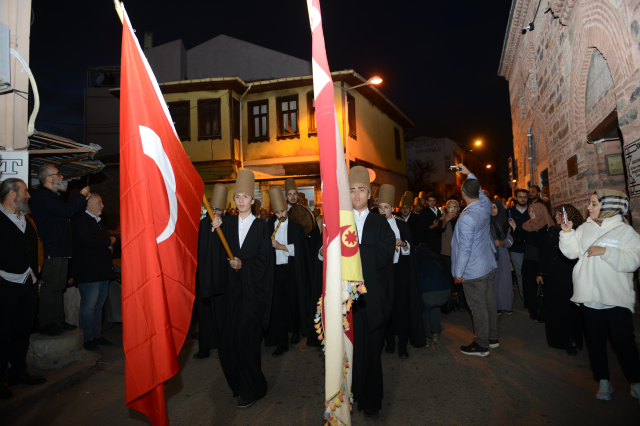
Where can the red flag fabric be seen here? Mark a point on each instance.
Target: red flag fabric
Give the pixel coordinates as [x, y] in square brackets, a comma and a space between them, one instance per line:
[160, 200]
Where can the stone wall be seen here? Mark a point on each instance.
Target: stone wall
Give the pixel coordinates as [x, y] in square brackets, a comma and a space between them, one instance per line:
[570, 79]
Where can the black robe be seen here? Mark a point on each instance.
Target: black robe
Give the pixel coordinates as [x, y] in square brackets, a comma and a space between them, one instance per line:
[299, 271]
[372, 311]
[207, 242]
[406, 320]
[241, 302]
[414, 226]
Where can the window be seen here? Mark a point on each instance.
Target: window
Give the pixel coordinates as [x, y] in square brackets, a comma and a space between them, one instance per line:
[396, 136]
[288, 117]
[209, 119]
[351, 102]
[447, 163]
[180, 114]
[258, 121]
[311, 114]
[236, 119]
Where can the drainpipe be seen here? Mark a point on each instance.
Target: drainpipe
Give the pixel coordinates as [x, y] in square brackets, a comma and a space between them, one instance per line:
[241, 152]
[36, 95]
[530, 137]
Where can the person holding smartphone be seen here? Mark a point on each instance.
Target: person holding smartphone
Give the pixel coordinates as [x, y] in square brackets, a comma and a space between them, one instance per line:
[449, 221]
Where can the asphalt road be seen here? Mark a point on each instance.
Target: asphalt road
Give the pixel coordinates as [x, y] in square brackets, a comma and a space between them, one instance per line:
[524, 382]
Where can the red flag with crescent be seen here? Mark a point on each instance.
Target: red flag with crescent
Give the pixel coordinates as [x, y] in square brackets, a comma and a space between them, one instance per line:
[160, 201]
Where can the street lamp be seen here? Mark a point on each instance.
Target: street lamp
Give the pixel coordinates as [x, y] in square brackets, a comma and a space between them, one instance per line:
[375, 80]
[488, 166]
[478, 142]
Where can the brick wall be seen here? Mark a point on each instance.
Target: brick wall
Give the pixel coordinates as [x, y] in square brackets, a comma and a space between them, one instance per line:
[563, 92]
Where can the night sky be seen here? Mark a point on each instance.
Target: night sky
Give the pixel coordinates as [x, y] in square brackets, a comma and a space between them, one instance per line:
[438, 59]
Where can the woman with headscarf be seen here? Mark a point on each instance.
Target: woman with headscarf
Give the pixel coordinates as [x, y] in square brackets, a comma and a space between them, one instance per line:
[608, 253]
[563, 322]
[533, 233]
[501, 236]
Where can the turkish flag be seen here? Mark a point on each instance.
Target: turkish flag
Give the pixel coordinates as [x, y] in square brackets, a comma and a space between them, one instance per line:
[160, 200]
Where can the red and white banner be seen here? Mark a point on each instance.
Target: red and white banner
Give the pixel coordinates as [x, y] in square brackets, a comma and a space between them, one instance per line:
[342, 268]
[160, 200]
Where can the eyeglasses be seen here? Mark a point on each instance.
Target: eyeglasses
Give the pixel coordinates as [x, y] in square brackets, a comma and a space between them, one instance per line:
[56, 174]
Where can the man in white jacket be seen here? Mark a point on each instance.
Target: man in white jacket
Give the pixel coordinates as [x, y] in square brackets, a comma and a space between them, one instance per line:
[609, 253]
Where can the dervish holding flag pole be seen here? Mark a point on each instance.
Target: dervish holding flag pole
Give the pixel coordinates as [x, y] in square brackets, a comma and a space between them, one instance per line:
[351, 317]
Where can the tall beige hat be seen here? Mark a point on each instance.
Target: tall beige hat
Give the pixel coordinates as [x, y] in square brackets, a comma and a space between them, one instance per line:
[422, 195]
[387, 195]
[407, 200]
[376, 193]
[408, 193]
[359, 174]
[290, 185]
[219, 197]
[245, 183]
[416, 201]
[278, 202]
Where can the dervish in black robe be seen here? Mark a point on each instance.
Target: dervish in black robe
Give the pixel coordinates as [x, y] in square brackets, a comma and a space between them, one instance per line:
[291, 298]
[316, 291]
[414, 225]
[406, 320]
[241, 303]
[207, 333]
[372, 310]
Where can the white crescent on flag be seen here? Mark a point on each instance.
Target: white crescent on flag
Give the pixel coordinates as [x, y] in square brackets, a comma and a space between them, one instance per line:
[152, 147]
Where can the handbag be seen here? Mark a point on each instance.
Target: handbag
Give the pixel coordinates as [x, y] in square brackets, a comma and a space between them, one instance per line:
[540, 312]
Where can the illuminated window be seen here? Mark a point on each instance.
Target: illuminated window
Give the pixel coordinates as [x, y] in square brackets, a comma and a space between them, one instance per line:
[180, 114]
[288, 117]
[311, 113]
[351, 101]
[258, 121]
[209, 119]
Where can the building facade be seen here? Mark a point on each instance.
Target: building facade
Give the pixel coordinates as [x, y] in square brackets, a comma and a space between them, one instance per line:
[573, 70]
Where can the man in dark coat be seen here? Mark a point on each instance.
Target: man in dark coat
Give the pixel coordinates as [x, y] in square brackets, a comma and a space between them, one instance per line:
[430, 224]
[207, 333]
[243, 288]
[292, 278]
[372, 310]
[18, 288]
[91, 269]
[410, 217]
[51, 215]
[407, 310]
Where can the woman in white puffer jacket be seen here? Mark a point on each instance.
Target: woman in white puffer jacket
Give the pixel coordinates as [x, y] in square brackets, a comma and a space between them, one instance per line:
[608, 250]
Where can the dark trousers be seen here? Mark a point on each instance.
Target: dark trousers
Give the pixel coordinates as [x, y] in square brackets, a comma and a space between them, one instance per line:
[619, 322]
[17, 312]
[530, 290]
[207, 336]
[483, 308]
[445, 261]
[399, 322]
[54, 281]
[281, 309]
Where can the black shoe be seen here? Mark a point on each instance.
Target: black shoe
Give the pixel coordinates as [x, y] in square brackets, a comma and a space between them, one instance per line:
[494, 344]
[508, 312]
[26, 379]
[499, 313]
[390, 349]
[51, 330]
[245, 403]
[403, 353]
[474, 349]
[279, 352]
[371, 414]
[102, 341]
[5, 392]
[202, 354]
[295, 339]
[62, 325]
[572, 351]
[91, 346]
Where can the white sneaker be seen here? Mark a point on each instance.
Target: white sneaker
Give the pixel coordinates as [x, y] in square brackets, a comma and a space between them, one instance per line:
[635, 391]
[605, 391]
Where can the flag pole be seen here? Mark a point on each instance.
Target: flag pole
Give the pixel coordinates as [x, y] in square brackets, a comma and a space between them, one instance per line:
[119, 10]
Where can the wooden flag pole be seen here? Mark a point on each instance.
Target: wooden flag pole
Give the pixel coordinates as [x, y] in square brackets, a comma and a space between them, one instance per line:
[212, 216]
[119, 10]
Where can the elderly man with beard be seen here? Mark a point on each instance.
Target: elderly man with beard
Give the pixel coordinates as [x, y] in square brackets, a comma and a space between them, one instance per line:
[18, 290]
[51, 215]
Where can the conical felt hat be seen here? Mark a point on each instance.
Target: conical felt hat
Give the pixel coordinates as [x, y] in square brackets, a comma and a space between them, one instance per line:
[290, 185]
[359, 174]
[245, 183]
[387, 194]
[278, 202]
[409, 193]
[406, 201]
[219, 197]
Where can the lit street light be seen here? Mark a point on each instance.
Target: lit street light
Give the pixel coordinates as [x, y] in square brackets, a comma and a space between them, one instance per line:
[375, 80]
[478, 142]
[488, 166]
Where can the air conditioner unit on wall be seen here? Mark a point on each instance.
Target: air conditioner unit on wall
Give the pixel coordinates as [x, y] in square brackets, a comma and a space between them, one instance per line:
[5, 63]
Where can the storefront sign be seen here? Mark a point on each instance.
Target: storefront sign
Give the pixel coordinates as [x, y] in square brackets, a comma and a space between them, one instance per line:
[632, 158]
[14, 164]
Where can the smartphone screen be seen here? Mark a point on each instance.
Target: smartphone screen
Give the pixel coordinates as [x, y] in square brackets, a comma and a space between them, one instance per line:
[509, 214]
[564, 214]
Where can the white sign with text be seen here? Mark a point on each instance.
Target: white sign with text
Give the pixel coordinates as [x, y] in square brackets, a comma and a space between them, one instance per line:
[14, 164]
